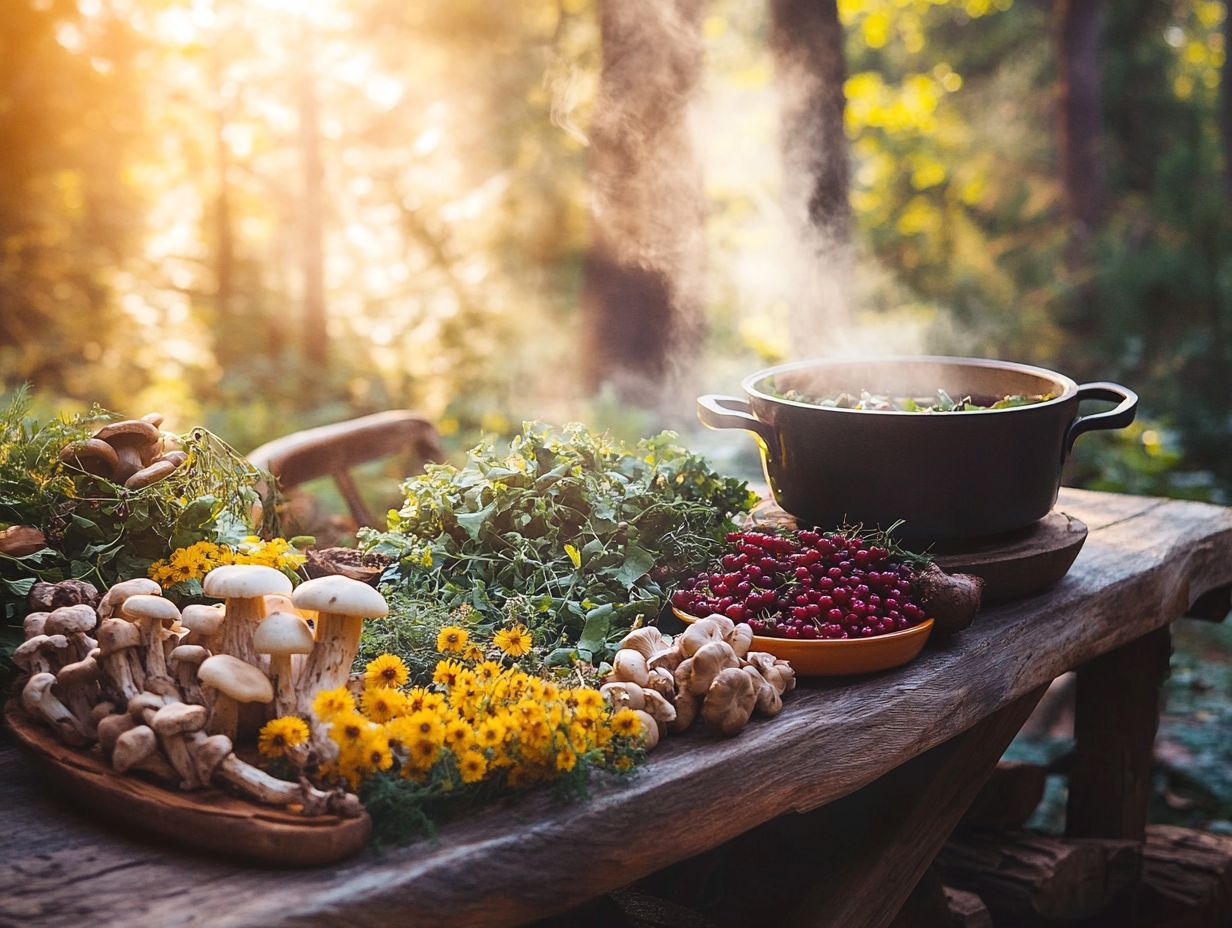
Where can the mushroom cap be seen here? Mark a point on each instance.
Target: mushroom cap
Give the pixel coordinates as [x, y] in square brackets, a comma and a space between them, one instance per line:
[35, 623]
[154, 418]
[203, 620]
[245, 581]
[116, 635]
[69, 620]
[131, 433]
[91, 455]
[239, 680]
[277, 602]
[83, 671]
[148, 475]
[341, 596]
[208, 754]
[36, 688]
[143, 606]
[175, 457]
[189, 654]
[110, 604]
[179, 718]
[133, 746]
[144, 700]
[24, 653]
[282, 633]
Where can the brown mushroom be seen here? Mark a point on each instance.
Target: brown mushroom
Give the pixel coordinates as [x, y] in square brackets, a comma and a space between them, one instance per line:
[44, 597]
[695, 674]
[38, 700]
[623, 695]
[93, 456]
[117, 640]
[729, 701]
[686, 711]
[154, 418]
[35, 624]
[149, 474]
[77, 685]
[178, 458]
[131, 440]
[769, 700]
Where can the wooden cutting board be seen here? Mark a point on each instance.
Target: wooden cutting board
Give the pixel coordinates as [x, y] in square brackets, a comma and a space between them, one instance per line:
[206, 820]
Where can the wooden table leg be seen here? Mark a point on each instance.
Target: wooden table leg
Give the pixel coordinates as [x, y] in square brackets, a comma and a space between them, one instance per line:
[886, 838]
[1116, 715]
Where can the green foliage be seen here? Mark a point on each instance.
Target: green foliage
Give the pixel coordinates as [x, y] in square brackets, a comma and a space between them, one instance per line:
[99, 531]
[573, 534]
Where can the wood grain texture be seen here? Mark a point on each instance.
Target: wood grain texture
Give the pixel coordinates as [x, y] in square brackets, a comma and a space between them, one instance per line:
[1145, 562]
[208, 820]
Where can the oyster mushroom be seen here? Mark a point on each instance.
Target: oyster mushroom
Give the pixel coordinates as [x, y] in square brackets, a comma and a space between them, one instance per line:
[341, 605]
[659, 708]
[281, 635]
[623, 695]
[698, 634]
[629, 666]
[729, 701]
[243, 586]
[650, 729]
[686, 711]
[647, 641]
[695, 674]
[234, 681]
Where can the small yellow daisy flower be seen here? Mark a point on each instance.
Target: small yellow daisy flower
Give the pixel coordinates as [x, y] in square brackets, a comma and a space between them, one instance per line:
[473, 653]
[281, 734]
[514, 641]
[566, 760]
[387, 670]
[627, 723]
[381, 703]
[376, 752]
[452, 640]
[472, 765]
[446, 673]
[349, 730]
[459, 735]
[491, 732]
[329, 703]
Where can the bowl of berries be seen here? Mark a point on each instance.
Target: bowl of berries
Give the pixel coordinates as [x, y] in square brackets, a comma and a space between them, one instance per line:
[831, 603]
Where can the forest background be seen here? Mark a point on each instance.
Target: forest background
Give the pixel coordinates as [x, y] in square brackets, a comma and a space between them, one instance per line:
[263, 215]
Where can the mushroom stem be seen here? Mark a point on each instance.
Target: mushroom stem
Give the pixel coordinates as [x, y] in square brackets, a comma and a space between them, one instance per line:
[224, 716]
[284, 684]
[38, 700]
[258, 784]
[327, 667]
[243, 616]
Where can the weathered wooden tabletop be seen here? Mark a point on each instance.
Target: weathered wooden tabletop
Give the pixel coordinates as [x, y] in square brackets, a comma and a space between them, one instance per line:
[1145, 562]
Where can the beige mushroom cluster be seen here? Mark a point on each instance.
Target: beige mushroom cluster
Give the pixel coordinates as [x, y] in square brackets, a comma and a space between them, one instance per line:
[133, 453]
[169, 693]
[707, 670]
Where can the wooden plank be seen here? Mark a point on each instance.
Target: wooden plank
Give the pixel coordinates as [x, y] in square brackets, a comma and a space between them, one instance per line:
[1187, 878]
[1144, 563]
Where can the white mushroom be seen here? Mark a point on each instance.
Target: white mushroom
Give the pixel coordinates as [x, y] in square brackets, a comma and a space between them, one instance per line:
[119, 643]
[622, 695]
[204, 623]
[647, 641]
[113, 599]
[629, 666]
[234, 682]
[110, 729]
[151, 614]
[77, 684]
[185, 663]
[75, 623]
[41, 654]
[35, 624]
[281, 635]
[39, 701]
[137, 749]
[341, 605]
[243, 586]
[171, 724]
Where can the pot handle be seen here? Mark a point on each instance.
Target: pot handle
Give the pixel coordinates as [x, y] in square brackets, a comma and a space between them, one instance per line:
[1117, 418]
[730, 412]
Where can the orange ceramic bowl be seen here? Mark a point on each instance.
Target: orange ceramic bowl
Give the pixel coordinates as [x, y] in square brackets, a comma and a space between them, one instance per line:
[832, 658]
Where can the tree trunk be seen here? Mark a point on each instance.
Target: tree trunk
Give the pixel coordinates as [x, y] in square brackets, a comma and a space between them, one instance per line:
[806, 42]
[316, 346]
[1081, 162]
[1225, 98]
[641, 295]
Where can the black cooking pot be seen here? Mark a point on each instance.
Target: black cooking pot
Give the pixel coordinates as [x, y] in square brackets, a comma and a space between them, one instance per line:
[950, 476]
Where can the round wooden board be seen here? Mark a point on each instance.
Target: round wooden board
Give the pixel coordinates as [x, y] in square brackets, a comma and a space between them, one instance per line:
[1019, 564]
[202, 820]
[1012, 566]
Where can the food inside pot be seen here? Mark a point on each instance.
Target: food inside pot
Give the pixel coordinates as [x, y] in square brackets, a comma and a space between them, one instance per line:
[942, 401]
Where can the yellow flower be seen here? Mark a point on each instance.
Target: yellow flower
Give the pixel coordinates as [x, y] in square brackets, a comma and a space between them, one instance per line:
[427, 725]
[349, 730]
[473, 653]
[528, 711]
[513, 641]
[330, 703]
[417, 698]
[423, 752]
[446, 673]
[472, 766]
[376, 752]
[381, 703]
[488, 671]
[627, 723]
[566, 760]
[386, 670]
[280, 734]
[491, 732]
[459, 736]
[589, 702]
[452, 640]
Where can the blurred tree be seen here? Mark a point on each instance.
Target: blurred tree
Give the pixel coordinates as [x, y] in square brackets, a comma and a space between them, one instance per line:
[1082, 160]
[641, 299]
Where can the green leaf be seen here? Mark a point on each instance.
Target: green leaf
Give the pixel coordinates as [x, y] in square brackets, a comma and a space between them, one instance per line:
[594, 632]
[472, 522]
[638, 563]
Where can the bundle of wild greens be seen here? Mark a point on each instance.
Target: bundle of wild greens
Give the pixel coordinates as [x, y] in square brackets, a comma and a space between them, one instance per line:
[98, 531]
[572, 533]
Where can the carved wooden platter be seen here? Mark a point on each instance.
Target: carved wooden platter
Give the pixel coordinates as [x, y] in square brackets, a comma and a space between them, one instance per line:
[203, 820]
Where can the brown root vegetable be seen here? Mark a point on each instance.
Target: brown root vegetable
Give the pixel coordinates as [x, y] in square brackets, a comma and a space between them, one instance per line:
[951, 600]
[45, 597]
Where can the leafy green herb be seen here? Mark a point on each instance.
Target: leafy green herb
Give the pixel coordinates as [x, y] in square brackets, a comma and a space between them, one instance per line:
[942, 402]
[569, 532]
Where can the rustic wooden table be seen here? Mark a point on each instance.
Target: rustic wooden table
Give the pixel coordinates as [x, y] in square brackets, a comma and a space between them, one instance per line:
[920, 740]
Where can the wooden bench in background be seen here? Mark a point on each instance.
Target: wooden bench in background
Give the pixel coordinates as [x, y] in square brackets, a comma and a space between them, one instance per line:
[332, 450]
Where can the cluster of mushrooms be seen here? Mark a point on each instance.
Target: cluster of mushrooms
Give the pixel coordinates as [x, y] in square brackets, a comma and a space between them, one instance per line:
[132, 453]
[171, 693]
[707, 670]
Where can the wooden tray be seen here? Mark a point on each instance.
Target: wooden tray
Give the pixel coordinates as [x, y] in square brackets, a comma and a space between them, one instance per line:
[201, 820]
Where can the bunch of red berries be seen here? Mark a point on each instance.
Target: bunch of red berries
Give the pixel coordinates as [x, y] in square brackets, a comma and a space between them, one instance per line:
[806, 585]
